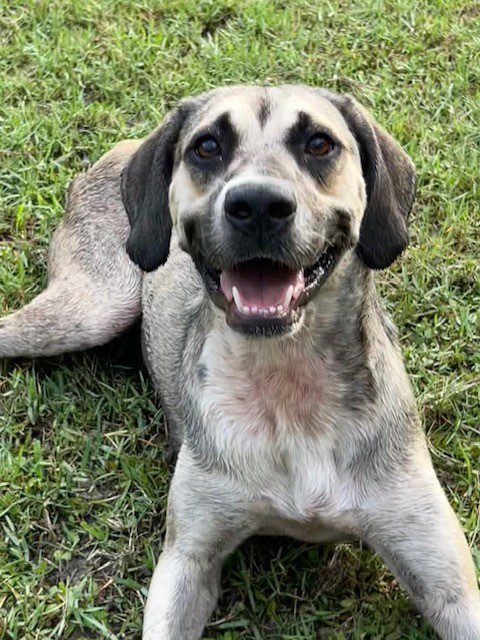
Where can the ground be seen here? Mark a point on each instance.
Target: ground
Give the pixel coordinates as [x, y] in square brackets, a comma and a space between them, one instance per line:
[83, 480]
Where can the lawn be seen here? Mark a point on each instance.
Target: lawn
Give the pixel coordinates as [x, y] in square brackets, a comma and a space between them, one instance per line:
[83, 480]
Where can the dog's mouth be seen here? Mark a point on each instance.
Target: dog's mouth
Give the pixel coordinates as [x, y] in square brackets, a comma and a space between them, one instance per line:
[262, 296]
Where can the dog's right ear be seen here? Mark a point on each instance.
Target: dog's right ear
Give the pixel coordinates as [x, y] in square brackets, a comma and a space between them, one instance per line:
[144, 184]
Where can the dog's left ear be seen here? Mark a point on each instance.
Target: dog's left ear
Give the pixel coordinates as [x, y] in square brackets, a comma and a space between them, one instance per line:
[144, 185]
[390, 182]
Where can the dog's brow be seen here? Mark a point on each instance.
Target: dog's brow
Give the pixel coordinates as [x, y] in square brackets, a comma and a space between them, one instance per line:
[222, 127]
[305, 122]
[264, 111]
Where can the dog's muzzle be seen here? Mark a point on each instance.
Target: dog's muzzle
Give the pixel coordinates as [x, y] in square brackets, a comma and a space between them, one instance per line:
[261, 292]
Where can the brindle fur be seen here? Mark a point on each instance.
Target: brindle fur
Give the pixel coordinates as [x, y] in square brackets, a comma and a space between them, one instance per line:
[314, 434]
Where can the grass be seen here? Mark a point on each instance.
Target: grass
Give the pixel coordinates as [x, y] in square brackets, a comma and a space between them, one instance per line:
[83, 480]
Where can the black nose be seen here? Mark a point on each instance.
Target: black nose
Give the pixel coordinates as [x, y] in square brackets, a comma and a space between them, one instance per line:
[256, 207]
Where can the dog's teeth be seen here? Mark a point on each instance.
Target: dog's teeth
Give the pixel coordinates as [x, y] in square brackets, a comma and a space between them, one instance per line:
[246, 310]
[272, 310]
[299, 286]
[298, 289]
[236, 297]
[288, 297]
[254, 309]
[280, 309]
[226, 287]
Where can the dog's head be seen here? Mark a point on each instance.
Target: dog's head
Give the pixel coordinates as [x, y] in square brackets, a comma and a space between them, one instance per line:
[268, 188]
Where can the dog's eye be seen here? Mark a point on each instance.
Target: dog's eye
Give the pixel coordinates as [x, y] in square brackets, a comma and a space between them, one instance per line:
[207, 147]
[319, 145]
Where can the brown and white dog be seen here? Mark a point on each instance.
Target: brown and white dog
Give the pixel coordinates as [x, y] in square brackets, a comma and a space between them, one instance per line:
[280, 375]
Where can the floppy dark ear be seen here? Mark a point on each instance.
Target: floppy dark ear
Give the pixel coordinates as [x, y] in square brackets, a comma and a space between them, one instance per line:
[390, 181]
[145, 183]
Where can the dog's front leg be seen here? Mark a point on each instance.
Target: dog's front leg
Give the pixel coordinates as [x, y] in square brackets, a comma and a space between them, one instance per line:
[205, 523]
[182, 595]
[416, 532]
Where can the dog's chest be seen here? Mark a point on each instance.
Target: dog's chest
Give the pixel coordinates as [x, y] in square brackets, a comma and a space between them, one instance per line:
[271, 419]
[272, 398]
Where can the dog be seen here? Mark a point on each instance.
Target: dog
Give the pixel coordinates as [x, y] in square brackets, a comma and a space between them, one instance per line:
[246, 230]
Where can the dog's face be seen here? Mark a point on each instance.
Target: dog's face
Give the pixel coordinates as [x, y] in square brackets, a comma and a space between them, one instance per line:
[268, 188]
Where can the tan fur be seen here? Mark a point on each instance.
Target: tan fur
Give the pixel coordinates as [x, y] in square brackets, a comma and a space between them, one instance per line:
[313, 433]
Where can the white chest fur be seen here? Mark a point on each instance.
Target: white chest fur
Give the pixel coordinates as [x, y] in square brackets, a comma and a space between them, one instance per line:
[270, 412]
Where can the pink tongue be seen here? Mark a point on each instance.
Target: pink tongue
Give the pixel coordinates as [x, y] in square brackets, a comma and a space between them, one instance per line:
[260, 283]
